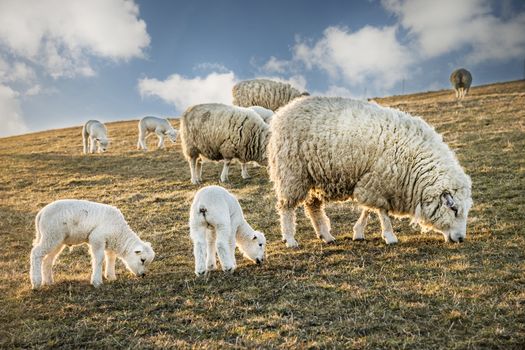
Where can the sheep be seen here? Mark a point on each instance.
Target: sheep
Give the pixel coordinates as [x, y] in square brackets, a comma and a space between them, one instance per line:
[265, 93]
[217, 224]
[103, 227]
[220, 132]
[96, 133]
[323, 149]
[264, 113]
[461, 80]
[161, 127]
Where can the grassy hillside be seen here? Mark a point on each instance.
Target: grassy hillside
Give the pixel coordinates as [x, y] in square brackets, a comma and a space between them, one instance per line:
[420, 293]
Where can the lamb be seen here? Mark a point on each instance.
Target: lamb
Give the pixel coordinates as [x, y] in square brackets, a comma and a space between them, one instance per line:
[217, 224]
[220, 132]
[461, 80]
[265, 93]
[103, 227]
[264, 113]
[161, 127]
[96, 133]
[391, 163]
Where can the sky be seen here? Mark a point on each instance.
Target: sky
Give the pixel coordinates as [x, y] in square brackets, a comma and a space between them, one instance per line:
[65, 62]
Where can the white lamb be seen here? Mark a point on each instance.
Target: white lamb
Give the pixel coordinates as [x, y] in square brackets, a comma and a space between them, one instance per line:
[265, 113]
[96, 133]
[324, 149]
[220, 132]
[103, 227]
[265, 93]
[217, 224]
[161, 127]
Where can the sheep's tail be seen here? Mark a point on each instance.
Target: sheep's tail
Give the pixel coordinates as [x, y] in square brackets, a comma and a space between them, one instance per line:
[37, 229]
[203, 210]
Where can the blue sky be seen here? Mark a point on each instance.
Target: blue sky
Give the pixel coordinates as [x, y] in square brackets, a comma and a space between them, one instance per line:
[64, 62]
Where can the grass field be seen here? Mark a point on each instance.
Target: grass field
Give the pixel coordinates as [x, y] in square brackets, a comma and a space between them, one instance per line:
[421, 293]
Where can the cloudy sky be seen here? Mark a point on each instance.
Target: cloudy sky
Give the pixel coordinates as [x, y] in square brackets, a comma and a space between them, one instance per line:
[64, 62]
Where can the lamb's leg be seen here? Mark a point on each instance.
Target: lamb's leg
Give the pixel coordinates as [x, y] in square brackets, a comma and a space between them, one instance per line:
[47, 264]
[198, 237]
[359, 227]
[84, 142]
[224, 247]
[244, 171]
[198, 169]
[38, 254]
[141, 144]
[92, 144]
[96, 248]
[225, 170]
[211, 253]
[386, 227]
[160, 135]
[314, 209]
[111, 257]
[193, 171]
[457, 93]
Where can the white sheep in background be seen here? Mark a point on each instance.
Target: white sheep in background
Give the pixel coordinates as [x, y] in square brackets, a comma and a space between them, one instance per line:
[461, 79]
[103, 227]
[324, 149]
[161, 127]
[265, 113]
[217, 225]
[96, 133]
[265, 93]
[221, 132]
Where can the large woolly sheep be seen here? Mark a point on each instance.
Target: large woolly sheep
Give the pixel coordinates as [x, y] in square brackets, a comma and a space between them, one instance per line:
[103, 227]
[265, 93]
[265, 113]
[161, 127]
[324, 149]
[461, 80]
[96, 134]
[217, 224]
[221, 132]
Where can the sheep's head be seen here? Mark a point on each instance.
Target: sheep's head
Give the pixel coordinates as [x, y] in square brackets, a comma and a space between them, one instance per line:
[253, 247]
[447, 213]
[103, 144]
[138, 258]
[172, 134]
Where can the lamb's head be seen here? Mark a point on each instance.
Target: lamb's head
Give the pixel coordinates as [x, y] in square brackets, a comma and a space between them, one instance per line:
[253, 246]
[172, 134]
[138, 258]
[446, 212]
[103, 144]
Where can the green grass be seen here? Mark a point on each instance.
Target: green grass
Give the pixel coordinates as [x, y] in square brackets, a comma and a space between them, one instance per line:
[420, 293]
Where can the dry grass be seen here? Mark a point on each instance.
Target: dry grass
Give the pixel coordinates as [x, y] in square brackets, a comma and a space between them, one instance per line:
[421, 293]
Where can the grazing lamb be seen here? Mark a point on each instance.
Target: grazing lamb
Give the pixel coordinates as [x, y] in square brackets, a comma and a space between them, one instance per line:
[461, 80]
[221, 132]
[217, 224]
[264, 113]
[96, 133]
[103, 227]
[161, 127]
[324, 149]
[265, 93]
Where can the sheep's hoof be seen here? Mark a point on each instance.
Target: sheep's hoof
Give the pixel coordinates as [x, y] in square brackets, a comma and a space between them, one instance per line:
[291, 243]
[332, 241]
[200, 273]
[358, 239]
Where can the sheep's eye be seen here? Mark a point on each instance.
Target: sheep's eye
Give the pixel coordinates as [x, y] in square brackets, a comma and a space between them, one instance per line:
[260, 244]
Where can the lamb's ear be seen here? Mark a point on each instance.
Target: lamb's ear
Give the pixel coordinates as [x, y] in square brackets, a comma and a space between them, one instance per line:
[254, 237]
[138, 249]
[148, 244]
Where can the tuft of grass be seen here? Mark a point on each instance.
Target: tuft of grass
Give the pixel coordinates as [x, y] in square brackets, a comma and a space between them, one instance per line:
[421, 293]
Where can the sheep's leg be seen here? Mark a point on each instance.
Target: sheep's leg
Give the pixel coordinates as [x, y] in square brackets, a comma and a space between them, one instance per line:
[359, 227]
[386, 227]
[244, 171]
[84, 143]
[47, 265]
[198, 236]
[38, 254]
[211, 253]
[96, 249]
[225, 170]
[111, 258]
[160, 135]
[92, 144]
[457, 93]
[193, 170]
[224, 247]
[314, 209]
[141, 144]
[287, 217]
[198, 169]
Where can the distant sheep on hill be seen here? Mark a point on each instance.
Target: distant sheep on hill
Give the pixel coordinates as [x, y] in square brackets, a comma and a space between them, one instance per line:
[220, 132]
[323, 149]
[95, 134]
[161, 127]
[461, 79]
[265, 93]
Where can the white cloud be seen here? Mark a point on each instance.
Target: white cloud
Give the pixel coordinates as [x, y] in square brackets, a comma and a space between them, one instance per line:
[370, 55]
[339, 91]
[183, 92]
[61, 36]
[274, 65]
[211, 66]
[297, 81]
[16, 72]
[441, 27]
[11, 117]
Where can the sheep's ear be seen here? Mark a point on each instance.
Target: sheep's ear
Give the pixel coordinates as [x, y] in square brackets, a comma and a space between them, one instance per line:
[138, 250]
[449, 201]
[254, 237]
[148, 244]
